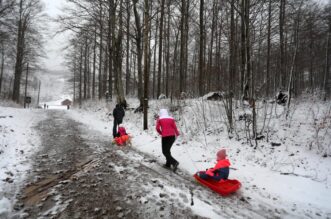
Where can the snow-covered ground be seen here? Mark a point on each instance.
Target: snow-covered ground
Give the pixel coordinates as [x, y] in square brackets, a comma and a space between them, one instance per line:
[18, 141]
[289, 169]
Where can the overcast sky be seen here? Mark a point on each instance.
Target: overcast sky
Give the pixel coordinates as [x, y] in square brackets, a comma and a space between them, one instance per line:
[54, 45]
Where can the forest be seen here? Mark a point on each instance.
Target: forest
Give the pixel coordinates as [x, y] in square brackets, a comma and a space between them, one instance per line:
[246, 50]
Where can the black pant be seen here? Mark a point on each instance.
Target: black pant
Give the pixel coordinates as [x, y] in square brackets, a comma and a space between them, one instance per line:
[167, 143]
[116, 123]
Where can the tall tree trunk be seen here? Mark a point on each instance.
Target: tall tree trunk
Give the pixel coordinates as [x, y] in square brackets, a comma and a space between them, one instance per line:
[118, 59]
[296, 38]
[110, 41]
[100, 51]
[19, 54]
[311, 53]
[94, 62]
[139, 52]
[243, 79]
[168, 49]
[183, 45]
[201, 49]
[248, 77]
[26, 83]
[281, 43]
[210, 69]
[160, 49]
[128, 71]
[2, 67]
[146, 65]
[154, 62]
[80, 75]
[75, 69]
[85, 68]
[231, 67]
[326, 84]
[269, 48]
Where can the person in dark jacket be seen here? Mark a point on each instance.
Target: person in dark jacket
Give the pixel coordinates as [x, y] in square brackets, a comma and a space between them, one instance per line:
[118, 114]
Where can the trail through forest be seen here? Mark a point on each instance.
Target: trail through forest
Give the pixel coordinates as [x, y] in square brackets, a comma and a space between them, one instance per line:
[78, 174]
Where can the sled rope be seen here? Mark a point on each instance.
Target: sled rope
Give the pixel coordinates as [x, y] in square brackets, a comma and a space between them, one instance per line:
[187, 152]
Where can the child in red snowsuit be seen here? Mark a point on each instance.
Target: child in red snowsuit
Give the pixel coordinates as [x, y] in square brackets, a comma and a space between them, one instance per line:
[122, 137]
[221, 169]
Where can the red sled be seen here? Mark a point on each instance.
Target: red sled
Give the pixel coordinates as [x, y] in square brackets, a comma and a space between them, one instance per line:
[223, 187]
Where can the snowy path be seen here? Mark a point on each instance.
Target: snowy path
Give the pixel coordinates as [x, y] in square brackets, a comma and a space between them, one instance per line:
[78, 174]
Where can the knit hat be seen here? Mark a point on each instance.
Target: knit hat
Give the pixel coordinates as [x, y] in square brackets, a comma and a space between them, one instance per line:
[164, 113]
[221, 154]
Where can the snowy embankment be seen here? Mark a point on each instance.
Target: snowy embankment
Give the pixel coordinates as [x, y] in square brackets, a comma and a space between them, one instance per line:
[18, 141]
[289, 168]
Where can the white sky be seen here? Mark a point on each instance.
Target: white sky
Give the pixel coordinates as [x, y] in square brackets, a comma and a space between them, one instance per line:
[54, 45]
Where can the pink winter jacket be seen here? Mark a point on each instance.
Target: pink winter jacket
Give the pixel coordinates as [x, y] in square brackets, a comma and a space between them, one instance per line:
[166, 127]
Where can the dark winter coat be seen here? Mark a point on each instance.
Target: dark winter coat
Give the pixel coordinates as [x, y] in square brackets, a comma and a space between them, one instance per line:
[118, 113]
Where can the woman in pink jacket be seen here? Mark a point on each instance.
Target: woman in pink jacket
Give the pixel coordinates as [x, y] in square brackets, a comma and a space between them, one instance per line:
[167, 128]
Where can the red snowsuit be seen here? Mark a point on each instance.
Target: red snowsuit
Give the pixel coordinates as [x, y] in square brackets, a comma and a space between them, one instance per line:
[123, 137]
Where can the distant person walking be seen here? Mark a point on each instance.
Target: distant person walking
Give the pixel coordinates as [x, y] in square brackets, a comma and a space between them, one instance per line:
[118, 114]
[45, 106]
[167, 128]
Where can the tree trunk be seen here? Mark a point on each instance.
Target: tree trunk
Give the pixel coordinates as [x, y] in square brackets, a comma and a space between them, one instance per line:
[326, 85]
[85, 68]
[243, 53]
[26, 83]
[154, 62]
[128, 71]
[201, 49]
[281, 43]
[19, 55]
[80, 75]
[183, 45]
[100, 51]
[231, 67]
[118, 59]
[111, 33]
[2, 67]
[296, 38]
[168, 49]
[160, 49]
[75, 69]
[146, 58]
[139, 52]
[269, 48]
[94, 62]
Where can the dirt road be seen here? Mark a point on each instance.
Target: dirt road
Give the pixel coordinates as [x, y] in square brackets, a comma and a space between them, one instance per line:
[78, 174]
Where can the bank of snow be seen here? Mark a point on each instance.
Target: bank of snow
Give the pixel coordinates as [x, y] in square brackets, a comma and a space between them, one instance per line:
[18, 141]
[289, 169]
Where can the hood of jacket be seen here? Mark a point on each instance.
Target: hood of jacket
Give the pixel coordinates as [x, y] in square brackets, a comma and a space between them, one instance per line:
[164, 114]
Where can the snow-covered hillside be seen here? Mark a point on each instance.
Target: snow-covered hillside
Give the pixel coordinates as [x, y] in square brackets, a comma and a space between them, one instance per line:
[18, 141]
[289, 168]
